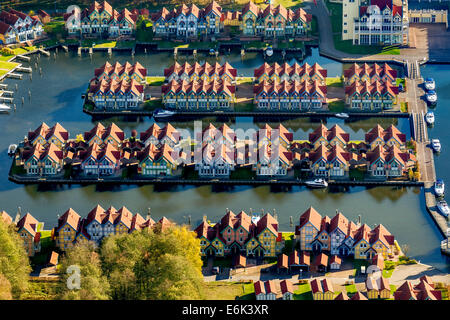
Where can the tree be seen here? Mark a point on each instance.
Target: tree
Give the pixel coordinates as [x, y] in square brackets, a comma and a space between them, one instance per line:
[154, 265]
[93, 284]
[14, 262]
[5, 288]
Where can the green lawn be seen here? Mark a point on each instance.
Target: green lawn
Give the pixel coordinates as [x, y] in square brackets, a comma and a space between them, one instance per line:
[155, 81]
[152, 105]
[243, 174]
[356, 174]
[336, 16]
[248, 291]
[288, 3]
[404, 106]
[242, 80]
[350, 288]
[303, 292]
[222, 290]
[337, 106]
[192, 45]
[289, 238]
[334, 82]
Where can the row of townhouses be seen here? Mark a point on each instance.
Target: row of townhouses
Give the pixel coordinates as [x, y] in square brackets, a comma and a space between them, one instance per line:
[117, 86]
[17, 27]
[375, 22]
[217, 151]
[380, 288]
[240, 234]
[191, 22]
[101, 223]
[101, 19]
[342, 237]
[274, 289]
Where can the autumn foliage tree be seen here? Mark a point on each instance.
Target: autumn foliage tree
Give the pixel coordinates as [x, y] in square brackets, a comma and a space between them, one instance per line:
[14, 263]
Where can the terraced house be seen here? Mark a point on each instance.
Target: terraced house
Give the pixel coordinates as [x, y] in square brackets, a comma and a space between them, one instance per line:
[27, 228]
[295, 72]
[367, 95]
[329, 137]
[101, 19]
[324, 162]
[98, 160]
[236, 234]
[197, 71]
[272, 21]
[18, 27]
[287, 95]
[195, 95]
[44, 135]
[154, 161]
[217, 160]
[391, 162]
[388, 137]
[369, 72]
[101, 223]
[120, 72]
[342, 237]
[160, 135]
[102, 135]
[42, 160]
[189, 21]
[115, 94]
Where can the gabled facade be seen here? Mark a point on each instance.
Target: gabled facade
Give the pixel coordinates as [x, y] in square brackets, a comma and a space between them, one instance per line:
[272, 21]
[370, 72]
[27, 228]
[100, 161]
[189, 21]
[40, 160]
[287, 95]
[367, 95]
[18, 27]
[154, 161]
[197, 72]
[198, 95]
[292, 73]
[102, 19]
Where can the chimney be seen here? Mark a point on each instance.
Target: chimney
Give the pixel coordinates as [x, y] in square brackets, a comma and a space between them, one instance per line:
[251, 211]
[227, 210]
[148, 214]
[204, 218]
[291, 222]
[262, 212]
[18, 215]
[275, 214]
[359, 219]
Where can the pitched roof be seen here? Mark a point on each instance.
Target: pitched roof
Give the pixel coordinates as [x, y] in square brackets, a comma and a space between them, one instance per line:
[321, 260]
[312, 216]
[286, 286]
[70, 217]
[290, 70]
[6, 217]
[199, 87]
[29, 223]
[259, 287]
[370, 70]
[283, 261]
[290, 88]
[358, 296]
[342, 296]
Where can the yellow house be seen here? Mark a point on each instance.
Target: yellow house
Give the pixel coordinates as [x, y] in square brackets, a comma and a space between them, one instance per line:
[322, 289]
[69, 225]
[27, 230]
[308, 228]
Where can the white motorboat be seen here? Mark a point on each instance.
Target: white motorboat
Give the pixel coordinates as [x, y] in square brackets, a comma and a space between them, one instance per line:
[255, 219]
[12, 149]
[4, 107]
[443, 208]
[342, 115]
[439, 187]
[430, 84]
[429, 117]
[159, 113]
[431, 97]
[317, 183]
[269, 51]
[436, 145]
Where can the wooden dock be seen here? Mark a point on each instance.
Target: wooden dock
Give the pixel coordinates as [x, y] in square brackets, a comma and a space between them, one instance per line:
[441, 221]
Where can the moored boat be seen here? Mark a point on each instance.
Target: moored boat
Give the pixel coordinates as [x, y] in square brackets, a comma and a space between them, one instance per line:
[430, 84]
[429, 117]
[317, 183]
[12, 149]
[342, 115]
[439, 187]
[4, 107]
[269, 51]
[159, 113]
[431, 97]
[436, 145]
[443, 208]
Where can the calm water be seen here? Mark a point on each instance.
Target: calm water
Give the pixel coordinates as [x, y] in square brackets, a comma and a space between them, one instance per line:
[56, 96]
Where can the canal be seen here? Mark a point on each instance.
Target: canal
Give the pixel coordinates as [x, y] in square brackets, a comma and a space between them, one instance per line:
[56, 97]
